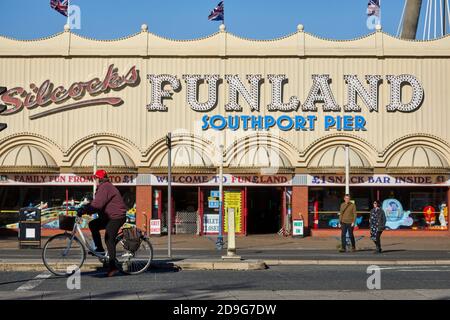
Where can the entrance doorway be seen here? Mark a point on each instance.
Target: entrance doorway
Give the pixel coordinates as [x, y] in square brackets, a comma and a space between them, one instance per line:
[185, 206]
[186, 210]
[264, 205]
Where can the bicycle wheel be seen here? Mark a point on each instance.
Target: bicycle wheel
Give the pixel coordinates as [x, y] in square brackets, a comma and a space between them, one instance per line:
[61, 253]
[133, 262]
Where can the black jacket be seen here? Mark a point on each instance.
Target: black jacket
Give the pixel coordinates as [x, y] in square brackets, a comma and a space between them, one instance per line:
[381, 218]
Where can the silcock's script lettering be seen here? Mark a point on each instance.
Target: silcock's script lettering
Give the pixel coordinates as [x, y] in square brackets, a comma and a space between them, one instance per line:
[41, 96]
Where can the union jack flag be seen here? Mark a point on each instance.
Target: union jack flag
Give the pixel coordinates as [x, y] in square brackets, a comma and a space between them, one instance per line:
[60, 5]
[218, 14]
[373, 8]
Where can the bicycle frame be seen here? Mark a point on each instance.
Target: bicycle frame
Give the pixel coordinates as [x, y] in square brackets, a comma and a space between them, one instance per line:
[77, 231]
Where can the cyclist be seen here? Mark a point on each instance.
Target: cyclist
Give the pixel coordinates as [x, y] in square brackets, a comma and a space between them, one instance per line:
[111, 209]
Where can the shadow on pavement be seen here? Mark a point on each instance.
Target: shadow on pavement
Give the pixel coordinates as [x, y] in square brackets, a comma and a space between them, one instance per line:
[394, 250]
[158, 268]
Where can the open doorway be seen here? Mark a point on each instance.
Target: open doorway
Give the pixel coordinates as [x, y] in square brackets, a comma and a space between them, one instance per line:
[264, 205]
[186, 210]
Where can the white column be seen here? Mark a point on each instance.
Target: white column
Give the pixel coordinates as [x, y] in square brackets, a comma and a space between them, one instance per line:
[95, 168]
[231, 246]
[347, 169]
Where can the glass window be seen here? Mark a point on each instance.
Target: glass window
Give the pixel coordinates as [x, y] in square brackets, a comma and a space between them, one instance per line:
[404, 206]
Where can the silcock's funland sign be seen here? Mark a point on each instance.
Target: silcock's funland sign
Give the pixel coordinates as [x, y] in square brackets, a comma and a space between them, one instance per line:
[249, 89]
[320, 92]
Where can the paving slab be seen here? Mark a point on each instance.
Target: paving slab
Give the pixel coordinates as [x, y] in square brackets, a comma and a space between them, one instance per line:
[210, 295]
[21, 295]
[66, 295]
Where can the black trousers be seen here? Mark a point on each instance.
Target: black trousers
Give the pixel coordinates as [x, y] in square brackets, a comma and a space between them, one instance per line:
[344, 228]
[112, 229]
[378, 240]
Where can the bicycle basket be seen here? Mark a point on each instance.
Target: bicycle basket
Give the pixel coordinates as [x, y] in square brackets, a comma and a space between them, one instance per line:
[66, 222]
[132, 238]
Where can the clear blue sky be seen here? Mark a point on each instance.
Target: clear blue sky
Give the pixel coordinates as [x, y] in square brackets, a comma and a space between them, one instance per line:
[184, 19]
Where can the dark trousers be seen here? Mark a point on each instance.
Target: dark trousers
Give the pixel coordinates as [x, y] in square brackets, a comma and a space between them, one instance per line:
[378, 240]
[344, 228]
[112, 229]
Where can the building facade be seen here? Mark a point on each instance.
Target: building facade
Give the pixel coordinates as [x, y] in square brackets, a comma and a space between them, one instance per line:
[276, 113]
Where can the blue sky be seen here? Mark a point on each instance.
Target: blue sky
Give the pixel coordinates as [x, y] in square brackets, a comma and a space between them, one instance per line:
[183, 19]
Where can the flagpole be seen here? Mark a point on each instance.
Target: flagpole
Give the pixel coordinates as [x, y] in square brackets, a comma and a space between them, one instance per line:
[380, 15]
[68, 13]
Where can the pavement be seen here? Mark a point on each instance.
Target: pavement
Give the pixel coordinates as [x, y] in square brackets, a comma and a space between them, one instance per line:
[259, 252]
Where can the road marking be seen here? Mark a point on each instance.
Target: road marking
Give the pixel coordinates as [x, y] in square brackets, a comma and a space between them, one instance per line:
[30, 285]
[426, 270]
[413, 267]
[418, 269]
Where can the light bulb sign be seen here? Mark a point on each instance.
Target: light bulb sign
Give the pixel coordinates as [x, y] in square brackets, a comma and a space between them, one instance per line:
[243, 95]
[319, 93]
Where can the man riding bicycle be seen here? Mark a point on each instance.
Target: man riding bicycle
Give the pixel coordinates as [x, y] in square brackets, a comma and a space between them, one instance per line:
[111, 210]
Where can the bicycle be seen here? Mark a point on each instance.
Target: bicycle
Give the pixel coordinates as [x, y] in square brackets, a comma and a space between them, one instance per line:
[66, 250]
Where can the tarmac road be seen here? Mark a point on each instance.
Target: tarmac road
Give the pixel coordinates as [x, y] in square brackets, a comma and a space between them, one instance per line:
[275, 283]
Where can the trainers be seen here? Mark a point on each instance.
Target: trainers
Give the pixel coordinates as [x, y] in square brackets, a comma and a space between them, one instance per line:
[353, 249]
[341, 250]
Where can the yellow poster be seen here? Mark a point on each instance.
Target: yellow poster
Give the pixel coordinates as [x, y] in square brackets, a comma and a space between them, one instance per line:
[233, 199]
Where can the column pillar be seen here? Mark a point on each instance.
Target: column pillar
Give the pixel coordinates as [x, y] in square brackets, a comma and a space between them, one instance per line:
[300, 203]
[143, 206]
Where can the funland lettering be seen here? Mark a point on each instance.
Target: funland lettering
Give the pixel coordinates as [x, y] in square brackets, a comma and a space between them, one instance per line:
[319, 93]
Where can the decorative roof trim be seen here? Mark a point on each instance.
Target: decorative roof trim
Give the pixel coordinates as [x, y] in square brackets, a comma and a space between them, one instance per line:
[259, 169]
[184, 170]
[33, 40]
[100, 135]
[21, 135]
[412, 138]
[114, 169]
[222, 43]
[419, 170]
[229, 33]
[353, 169]
[331, 138]
[29, 169]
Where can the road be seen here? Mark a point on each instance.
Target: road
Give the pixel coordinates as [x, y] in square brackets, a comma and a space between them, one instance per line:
[275, 283]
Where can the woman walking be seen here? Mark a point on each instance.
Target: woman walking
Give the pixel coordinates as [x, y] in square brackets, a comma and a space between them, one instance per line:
[377, 224]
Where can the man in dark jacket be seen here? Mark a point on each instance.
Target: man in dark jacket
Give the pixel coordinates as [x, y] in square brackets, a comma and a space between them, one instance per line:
[111, 209]
[347, 220]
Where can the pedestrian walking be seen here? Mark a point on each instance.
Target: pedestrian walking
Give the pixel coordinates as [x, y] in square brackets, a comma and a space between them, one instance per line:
[377, 222]
[347, 220]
